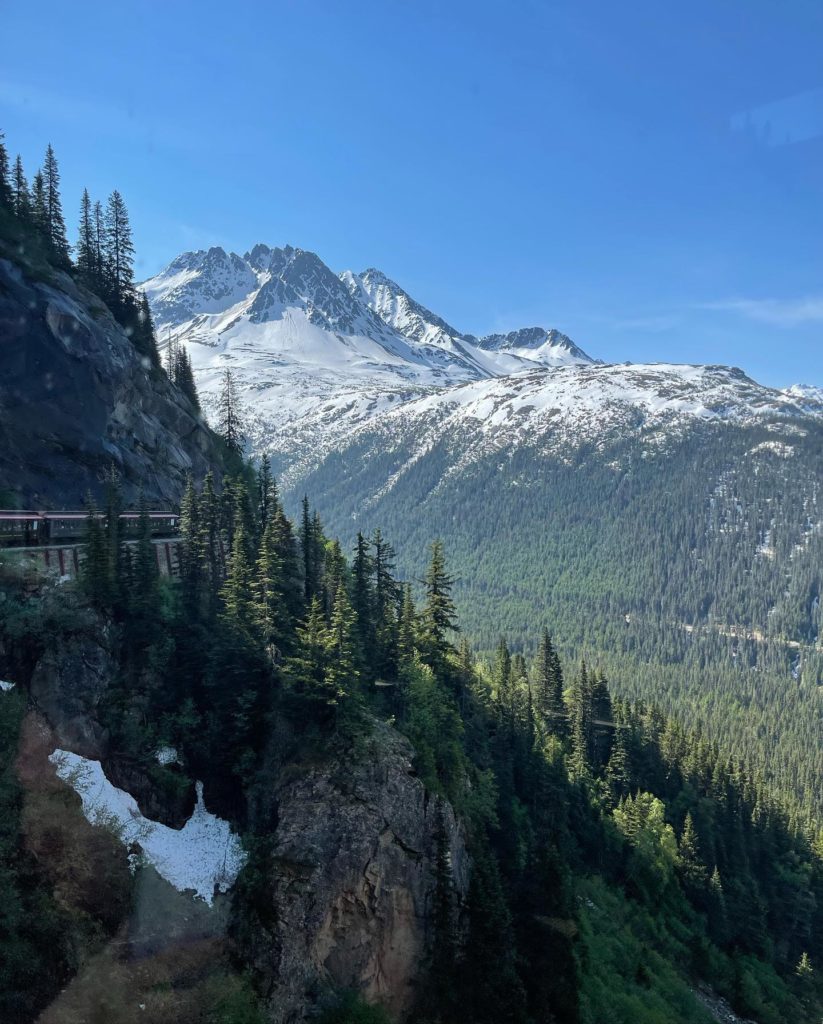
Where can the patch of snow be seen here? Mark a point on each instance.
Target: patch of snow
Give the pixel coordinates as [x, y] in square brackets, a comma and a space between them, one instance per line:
[6, 686]
[203, 856]
[167, 755]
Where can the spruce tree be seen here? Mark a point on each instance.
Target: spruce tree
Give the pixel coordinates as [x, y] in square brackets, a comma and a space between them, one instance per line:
[266, 491]
[118, 255]
[580, 713]
[191, 567]
[210, 546]
[118, 570]
[21, 196]
[145, 341]
[548, 689]
[692, 868]
[504, 685]
[228, 415]
[87, 270]
[618, 769]
[55, 225]
[362, 597]
[5, 176]
[439, 616]
[271, 612]
[39, 207]
[99, 246]
[144, 592]
[95, 567]
[236, 592]
[308, 552]
[407, 628]
[342, 672]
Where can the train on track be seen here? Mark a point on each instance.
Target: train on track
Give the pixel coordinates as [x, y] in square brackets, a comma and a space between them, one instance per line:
[24, 529]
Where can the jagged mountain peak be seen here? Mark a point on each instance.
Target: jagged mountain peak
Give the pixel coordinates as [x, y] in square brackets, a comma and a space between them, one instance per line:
[547, 346]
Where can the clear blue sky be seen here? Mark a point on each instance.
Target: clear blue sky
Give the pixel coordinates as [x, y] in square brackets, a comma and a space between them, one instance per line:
[645, 176]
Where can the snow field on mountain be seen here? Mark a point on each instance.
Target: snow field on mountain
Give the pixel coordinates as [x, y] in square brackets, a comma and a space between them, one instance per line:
[202, 856]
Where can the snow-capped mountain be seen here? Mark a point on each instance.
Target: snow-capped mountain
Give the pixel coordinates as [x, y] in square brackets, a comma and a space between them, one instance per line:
[315, 353]
[319, 357]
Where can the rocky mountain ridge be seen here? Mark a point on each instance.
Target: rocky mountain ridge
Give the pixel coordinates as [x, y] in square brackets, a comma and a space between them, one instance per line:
[319, 357]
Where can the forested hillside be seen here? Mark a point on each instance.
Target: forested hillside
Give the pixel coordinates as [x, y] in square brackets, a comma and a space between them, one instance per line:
[619, 860]
[688, 567]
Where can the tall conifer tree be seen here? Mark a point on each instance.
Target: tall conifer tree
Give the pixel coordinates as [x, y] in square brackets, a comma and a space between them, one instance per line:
[5, 176]
[55, 225]
[21, 196]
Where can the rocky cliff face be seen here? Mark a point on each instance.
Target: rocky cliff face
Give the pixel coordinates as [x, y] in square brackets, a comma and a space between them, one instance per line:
[76, 397]
[350, 884]
[353, 880]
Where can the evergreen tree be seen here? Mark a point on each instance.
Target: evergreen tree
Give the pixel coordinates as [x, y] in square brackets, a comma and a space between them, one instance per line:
[440, 1002]
[210, 546]
[306, 671]
[504, 685]
[99, 246]
[21, 197]
[191, 565]
[118, 255]
[266, 491]
[342, 672]
[39, 206]
[55, 225]
[580, 714]
[363, 598]
[144, 591]
[145, 341]
[548, 689]
[407, 628]
[228, 415]
[692, 868]
[308, 550]
[238, 599]
[287, 550]
[271, 612]
[492, 991]
[95, 568]
[5, 176]
[87, 269]
[618, 769]
[439, 616]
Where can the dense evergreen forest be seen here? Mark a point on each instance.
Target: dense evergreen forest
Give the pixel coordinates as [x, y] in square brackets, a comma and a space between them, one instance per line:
[619, 859]
[691, 570]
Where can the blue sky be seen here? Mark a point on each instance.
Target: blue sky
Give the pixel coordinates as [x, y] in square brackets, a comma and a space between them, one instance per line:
[647, 177]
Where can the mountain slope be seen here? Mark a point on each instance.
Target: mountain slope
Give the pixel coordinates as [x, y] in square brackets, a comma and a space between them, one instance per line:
[666, 520]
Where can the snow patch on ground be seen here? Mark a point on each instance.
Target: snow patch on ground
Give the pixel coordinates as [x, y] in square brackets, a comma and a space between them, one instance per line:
[5, 687]
[203, 856]
[167, 755]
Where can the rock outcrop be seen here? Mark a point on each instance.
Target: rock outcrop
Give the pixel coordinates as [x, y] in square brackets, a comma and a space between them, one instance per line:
[354, 878]
[76, 397]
